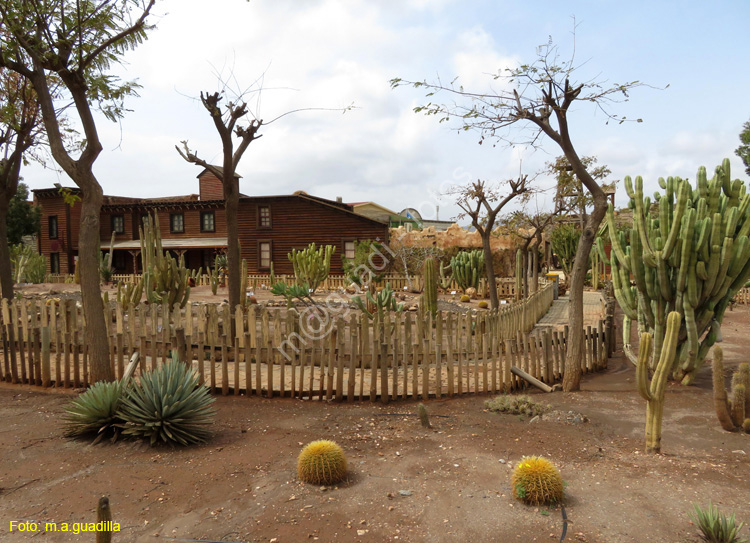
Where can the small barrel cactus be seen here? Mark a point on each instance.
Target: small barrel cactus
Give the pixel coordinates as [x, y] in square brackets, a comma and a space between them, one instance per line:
[465, 298]
[537, 481]
[482, 305]
[321, 463]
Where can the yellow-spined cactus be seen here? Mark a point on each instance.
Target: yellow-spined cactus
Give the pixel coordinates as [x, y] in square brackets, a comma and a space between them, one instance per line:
[321, 463]
[537, 481]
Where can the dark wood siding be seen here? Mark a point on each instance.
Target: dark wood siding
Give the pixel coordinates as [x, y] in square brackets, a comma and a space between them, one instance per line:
[68, 220]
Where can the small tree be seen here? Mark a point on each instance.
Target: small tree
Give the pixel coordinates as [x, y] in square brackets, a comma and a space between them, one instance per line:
[538, 96]
[743, 151]
[69, 46]
[482, 203]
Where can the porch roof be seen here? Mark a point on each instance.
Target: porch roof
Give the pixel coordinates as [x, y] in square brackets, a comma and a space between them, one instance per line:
[172, 243]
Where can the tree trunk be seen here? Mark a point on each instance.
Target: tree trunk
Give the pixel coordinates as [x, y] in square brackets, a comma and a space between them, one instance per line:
[489, 268]
[572, 377]
[95, 331]
[232, 198]
[6, 275]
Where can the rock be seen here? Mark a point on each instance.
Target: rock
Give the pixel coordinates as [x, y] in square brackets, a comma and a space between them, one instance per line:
[471, 292]
[535, 419]
[405, 492]
[502, 461]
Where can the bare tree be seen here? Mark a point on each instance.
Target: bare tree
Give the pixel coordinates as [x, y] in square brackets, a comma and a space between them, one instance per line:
[20, 126]
[482, 203]
[537, 97]
[73, 43]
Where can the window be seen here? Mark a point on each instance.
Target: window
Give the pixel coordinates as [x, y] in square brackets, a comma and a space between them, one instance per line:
[118, 224]
[53, 227]
[177, 223]
[207, 259]
[264, 217]
[118, 260]
[264, 255]
[207, 221]
[54, 262]
[349, 249]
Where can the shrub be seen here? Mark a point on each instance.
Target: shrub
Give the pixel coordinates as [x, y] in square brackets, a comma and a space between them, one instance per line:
[94, 411]
[321, 463]
[536, 481]
[716, 527]
[516, 405]
[168, 404]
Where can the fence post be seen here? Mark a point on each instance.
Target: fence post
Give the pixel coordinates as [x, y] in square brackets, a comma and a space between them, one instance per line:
[45, 357]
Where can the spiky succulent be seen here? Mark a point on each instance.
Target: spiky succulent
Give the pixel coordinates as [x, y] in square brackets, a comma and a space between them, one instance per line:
[94, 411]
[715, 526]
[167, 404]
[321, 463]
[537, 481]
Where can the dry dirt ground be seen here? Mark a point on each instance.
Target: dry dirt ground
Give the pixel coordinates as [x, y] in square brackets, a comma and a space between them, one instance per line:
[450, 483]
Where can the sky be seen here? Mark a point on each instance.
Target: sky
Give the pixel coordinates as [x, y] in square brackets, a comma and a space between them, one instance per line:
[332, 54]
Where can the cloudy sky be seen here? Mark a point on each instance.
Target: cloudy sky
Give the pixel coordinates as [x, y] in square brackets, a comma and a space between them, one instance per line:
[330, 54]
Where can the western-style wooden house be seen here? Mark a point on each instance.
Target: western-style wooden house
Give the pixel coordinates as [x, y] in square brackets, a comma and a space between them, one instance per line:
[194, 225]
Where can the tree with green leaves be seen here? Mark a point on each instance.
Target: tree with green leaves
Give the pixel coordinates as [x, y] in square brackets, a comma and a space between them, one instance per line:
[71, 46]
[743, 151]
[20, 127]
[537, 99]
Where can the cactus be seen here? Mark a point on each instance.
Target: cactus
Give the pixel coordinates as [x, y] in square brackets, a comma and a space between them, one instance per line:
[429, 271]
[424, 418]
[732, 412]
[536, 481]
[465, 298]
[519, 274]
[468, 267]
[105, 261]
[653, 392]
[130, 292]
[321, 463]
[214, 279]
[445, 280]
[165, 279]
[382, 302]
[272, 276]
[595, 265]
[312, 265]
[482, 305]
[692, 257]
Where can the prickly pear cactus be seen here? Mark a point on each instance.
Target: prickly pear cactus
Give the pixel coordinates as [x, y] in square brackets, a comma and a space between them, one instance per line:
[691, 255]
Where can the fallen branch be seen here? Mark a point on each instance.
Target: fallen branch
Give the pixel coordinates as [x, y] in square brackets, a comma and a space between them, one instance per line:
[531, 380]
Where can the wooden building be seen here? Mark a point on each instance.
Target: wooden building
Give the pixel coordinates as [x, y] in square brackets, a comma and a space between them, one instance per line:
[194, 225]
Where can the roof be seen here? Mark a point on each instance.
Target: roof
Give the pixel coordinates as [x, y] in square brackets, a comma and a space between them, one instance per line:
[360, 204]
[174, 243]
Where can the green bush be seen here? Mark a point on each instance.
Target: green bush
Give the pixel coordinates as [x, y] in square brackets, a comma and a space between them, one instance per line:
[715, 526]
[27, 265]
[168, 404]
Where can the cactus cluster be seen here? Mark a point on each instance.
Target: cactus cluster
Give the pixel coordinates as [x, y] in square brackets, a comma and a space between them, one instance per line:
[733, 410]
[536, 481]
[468, 267]
[446, 279]
[430, 296]
[128, 293]
[383, 301]
[165, 278]
[321, 463]
[312, 265]
[692, 256]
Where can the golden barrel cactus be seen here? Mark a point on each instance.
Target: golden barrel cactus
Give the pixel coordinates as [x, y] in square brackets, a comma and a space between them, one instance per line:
[321, 463]
[537, 481]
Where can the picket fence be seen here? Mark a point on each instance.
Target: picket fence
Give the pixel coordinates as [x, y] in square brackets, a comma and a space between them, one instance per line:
[339, 354]
[506, 286]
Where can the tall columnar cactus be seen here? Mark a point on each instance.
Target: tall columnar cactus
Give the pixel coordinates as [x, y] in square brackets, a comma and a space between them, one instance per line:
[130, 292]
[165, 278]
[312, 265]
[732, 411]
[243, 282]
[595, 266]
[653, 391]
[468, 267]
[429, 271]
[519, 274]
[691, 257]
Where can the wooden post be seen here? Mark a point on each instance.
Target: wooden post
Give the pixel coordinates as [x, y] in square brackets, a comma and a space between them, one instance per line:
[45, 357]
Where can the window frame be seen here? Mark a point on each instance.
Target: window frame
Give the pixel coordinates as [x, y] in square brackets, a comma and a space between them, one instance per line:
[172, 217]
[52, 219]
[262, 242]
[213, 221]
[261, 217]
[354, 248]
[113, 219]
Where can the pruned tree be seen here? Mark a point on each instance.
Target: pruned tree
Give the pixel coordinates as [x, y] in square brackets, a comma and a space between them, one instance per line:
[409, 260]
[226, 124]
[482, 203]
[20, 126]
[71, 45]
[234, 120]
[570, 191]
[743, 151]
[537, 97]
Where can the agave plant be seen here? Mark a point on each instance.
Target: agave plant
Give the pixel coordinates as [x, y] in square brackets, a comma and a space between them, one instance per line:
[715, 526]
[95, 411]
[168, 404]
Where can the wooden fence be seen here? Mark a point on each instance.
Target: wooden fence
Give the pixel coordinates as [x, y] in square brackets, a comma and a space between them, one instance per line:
[506, 286]
[339, 354]
[743, 296]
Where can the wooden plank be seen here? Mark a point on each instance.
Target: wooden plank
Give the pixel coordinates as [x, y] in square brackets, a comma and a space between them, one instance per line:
[236, 351]
[530, 379]
[340, 355]
[395, 338]
[37, 340]
[439, 355]
[485, 354]
[353, 350]
[449, 353]
[248, 364]
[383, 370]
[408, 353]
[45, 362]
[374, 359]
[425, 364]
